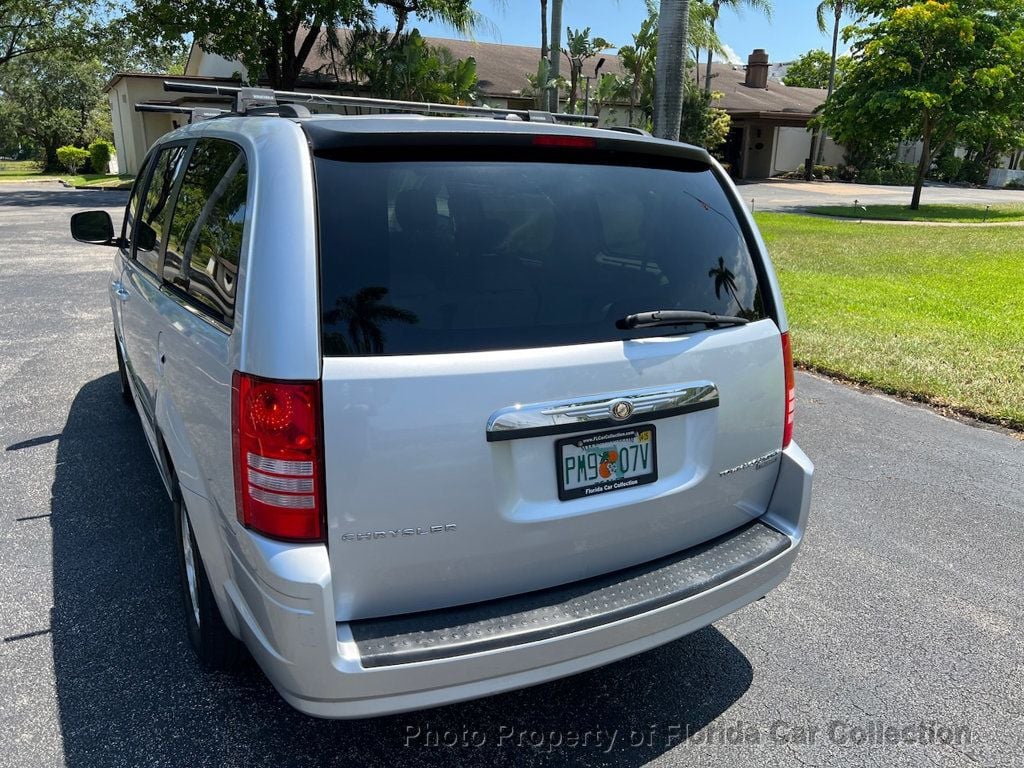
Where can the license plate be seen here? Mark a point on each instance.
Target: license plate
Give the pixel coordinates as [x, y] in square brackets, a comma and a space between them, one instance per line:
[589, 465]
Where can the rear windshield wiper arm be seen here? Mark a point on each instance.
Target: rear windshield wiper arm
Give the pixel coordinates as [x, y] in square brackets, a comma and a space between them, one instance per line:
[677, 317]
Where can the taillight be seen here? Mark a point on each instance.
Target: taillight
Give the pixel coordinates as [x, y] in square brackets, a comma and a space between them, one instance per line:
[787, 362]
[277, 457]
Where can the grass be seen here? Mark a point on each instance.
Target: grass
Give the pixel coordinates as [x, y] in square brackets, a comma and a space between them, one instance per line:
[971, 214]
[28, 170]
[937, 318]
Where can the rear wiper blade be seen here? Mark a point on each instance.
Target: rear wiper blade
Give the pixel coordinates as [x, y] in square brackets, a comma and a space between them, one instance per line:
[677, 317]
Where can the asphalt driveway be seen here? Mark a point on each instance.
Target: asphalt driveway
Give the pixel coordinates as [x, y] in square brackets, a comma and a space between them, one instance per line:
[897, 641]
[790, 195]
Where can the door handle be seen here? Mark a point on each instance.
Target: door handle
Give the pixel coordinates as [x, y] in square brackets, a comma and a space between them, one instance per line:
[119, 290]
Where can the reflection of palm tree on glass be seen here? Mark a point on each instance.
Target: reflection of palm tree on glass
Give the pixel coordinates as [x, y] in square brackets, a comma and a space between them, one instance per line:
[725, 280]
[365, 315]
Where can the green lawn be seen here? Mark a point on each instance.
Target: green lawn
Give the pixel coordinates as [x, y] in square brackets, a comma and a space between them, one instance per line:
[934, 314]
[18, 168]
[947, 213]
[27, 170]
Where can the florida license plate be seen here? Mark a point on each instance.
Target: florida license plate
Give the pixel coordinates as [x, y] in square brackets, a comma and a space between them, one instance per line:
[610, 461]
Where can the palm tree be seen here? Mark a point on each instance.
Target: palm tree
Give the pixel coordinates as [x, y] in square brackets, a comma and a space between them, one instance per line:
[701, 35]
[838, 7]
[673, 20]
[765, 6]
[544, 29]
[580, 48]
[555, 53]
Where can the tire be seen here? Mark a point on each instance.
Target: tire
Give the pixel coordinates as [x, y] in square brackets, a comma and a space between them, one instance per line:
[214, 645]
[126, 392]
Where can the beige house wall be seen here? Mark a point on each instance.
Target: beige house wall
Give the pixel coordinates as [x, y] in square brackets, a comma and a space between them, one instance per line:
[135, 132]
[793, 145]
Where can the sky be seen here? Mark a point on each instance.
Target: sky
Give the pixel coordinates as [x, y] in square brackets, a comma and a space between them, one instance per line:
[792, 30]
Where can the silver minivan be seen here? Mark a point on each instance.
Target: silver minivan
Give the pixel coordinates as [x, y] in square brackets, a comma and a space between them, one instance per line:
[452, 406]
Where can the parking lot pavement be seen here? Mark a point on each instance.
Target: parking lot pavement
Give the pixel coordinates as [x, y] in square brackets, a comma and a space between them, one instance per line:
[789, 195]
[904, 611]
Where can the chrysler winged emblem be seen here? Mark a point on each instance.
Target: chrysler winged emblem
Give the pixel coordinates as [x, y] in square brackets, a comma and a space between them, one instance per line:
[621, 410]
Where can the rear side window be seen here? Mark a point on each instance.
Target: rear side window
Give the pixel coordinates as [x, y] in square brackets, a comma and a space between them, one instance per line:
[430, 257]
[150, 231]
[205, 239]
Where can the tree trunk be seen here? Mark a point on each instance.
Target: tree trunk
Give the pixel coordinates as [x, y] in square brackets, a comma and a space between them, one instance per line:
[923, 164]
[831, 75]
[555, 54]
[574, 87]
[707, 72]
[544, 29]
[673, 20]
[809, 162]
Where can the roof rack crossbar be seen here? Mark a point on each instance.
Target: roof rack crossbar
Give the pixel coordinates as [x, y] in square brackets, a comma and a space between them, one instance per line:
[195, 114]
[385, 104]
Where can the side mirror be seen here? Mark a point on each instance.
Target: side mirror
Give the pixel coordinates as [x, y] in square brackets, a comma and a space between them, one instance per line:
[93, 227]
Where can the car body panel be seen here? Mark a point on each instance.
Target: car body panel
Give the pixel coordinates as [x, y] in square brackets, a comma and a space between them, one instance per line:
[384, 475]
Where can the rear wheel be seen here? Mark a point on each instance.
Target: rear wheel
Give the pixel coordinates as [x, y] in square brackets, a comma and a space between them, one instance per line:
[126, 393]
[210, 638]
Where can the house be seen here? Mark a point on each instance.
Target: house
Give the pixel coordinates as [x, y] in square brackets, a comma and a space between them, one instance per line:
[768, 137]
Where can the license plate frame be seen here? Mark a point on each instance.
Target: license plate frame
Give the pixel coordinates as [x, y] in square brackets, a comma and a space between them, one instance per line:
[594, 443]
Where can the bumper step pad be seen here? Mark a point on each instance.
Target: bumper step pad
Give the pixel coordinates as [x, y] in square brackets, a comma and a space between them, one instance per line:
[580, 605]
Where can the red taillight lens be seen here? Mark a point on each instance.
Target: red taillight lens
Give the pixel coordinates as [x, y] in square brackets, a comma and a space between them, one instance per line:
[574, 142]
[278, 466]
[787, 362]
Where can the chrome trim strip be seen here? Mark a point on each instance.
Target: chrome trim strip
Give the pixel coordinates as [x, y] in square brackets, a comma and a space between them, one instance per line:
[595, 412]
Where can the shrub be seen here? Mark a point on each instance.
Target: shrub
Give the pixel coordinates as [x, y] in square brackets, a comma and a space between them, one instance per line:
[900, 174]
[973, 172]
[871, 176]
[948, 168]
[847, 173]
[1014, 184]
[99, 155]
[820, 172]
[72, 158]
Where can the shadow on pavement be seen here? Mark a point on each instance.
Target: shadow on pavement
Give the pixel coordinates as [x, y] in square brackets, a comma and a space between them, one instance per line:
[48, 195]
[130, 693]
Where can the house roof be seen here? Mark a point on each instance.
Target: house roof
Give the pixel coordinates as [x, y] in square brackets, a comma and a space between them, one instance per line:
[740, 99]
[502, 71]
[119, 76]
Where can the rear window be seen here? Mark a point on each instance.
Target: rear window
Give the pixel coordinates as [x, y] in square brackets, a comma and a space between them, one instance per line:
[450, 256]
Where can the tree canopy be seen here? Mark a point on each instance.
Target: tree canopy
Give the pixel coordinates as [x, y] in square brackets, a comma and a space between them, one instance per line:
[274, 38]
[931, 71]
[31, 26]
[811, 69]
[53, 98]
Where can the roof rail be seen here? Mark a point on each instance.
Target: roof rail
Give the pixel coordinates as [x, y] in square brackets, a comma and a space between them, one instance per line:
[629, 129]
[195, 114]
[361, 102]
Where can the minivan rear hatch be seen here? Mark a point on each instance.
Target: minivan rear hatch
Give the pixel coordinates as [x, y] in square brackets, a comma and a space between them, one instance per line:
[491, 425]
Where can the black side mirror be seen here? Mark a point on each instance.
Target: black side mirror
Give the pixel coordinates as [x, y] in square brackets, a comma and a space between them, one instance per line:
[93, 227]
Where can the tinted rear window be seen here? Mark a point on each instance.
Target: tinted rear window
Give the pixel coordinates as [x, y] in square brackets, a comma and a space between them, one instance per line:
[429, 257]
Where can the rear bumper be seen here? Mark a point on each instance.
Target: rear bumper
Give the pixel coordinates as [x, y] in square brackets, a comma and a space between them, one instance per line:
[282, 599]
